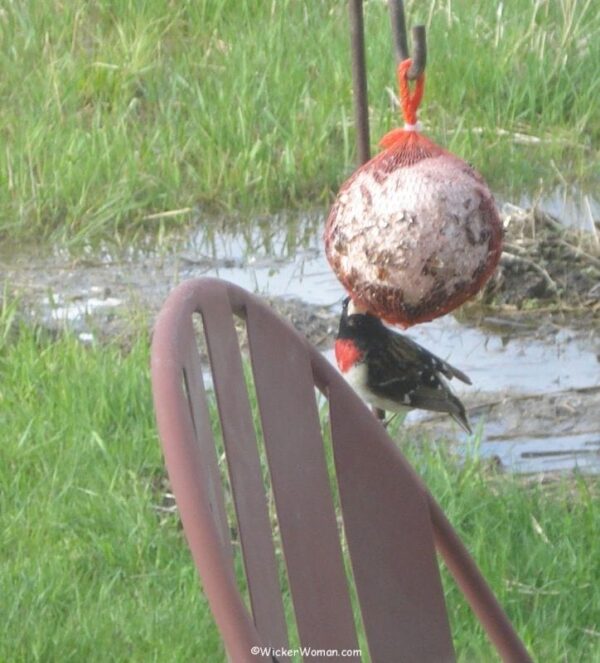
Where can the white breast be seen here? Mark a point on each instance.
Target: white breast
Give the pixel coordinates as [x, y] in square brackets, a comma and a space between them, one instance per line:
[357, 379]
[356, 376]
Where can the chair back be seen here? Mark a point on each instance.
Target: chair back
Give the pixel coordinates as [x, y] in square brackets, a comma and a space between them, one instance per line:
[375, 572]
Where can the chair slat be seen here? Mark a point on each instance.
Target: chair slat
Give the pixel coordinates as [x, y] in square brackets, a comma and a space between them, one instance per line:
[244, 468]
[389, 534]
[198, 405]
[295, 453]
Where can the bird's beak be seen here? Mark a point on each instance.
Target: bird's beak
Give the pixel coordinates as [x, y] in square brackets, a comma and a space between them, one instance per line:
[354, 308]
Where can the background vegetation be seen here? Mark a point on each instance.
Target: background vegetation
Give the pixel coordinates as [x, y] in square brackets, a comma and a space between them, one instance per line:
[122, 114]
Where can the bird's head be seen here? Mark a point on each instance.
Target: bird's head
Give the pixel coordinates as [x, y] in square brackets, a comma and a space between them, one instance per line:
[357, 324]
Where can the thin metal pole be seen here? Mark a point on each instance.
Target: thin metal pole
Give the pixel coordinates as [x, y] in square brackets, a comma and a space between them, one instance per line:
[359, 80]
[398, 29]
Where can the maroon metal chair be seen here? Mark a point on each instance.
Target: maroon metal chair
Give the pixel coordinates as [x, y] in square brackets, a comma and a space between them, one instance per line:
[391, 524]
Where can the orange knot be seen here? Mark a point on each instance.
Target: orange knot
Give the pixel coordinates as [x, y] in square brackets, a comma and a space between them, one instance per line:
[410, 101]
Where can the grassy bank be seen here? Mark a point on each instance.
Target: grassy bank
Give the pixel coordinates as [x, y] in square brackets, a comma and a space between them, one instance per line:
[93, 571]
[117, 116]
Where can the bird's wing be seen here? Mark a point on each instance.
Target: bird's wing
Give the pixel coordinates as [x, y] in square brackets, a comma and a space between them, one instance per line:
[392, 375]
[404, 372]
[425, 391]
[405, 348]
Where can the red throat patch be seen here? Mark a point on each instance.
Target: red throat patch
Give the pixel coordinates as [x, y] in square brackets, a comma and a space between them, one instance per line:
[346, 354]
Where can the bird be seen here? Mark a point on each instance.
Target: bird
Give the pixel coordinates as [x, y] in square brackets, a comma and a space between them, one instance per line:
[391, 371]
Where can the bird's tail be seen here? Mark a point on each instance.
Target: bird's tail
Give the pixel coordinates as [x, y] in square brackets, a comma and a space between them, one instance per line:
[459, 414]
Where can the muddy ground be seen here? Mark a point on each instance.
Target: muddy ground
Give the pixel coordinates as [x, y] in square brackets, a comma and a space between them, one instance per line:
[543, 304]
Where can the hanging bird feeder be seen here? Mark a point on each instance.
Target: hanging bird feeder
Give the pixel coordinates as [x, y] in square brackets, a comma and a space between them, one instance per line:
[414, 232]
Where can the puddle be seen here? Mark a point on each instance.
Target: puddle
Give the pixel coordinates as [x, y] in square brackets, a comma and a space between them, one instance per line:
[575, 208]
[559, 453]
[524, 433]
[86, 304]
[560, 360]
[534, 401]
[536, 393]
[267, 262]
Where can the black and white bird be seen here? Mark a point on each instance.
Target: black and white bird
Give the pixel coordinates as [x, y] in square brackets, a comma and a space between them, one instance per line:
[392, 372]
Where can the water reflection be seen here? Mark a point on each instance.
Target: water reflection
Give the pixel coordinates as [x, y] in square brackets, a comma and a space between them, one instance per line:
[575, 208]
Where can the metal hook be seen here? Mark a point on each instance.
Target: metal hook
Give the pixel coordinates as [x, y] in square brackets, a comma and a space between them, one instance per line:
[419, 59]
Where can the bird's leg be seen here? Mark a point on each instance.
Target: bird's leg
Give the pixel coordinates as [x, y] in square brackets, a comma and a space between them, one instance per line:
[378, 413]
[387, 422]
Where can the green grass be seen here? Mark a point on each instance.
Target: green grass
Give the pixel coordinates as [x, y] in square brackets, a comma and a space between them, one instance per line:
[535, 544]
[92, 571]
[120, 115]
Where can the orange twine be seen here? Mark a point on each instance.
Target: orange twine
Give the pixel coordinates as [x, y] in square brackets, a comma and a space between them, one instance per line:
[408, 138]
[410, 101]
